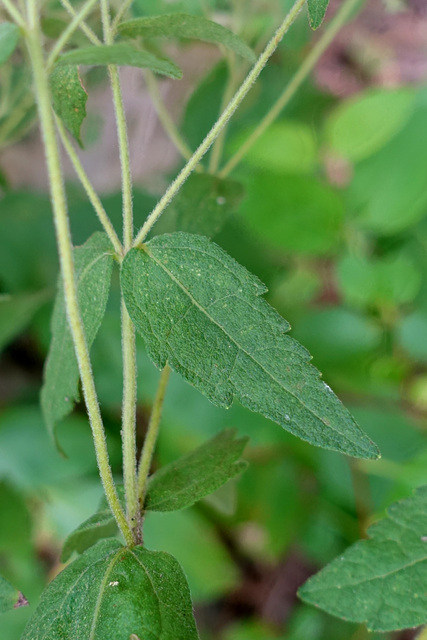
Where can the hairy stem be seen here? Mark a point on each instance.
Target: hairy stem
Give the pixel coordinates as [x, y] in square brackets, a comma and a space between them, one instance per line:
[121, 12]
[65, 249]
[90, 191]
[152, 433]
[14, 13]
[220, 123]
[91, 35]
[70, 29]
[303, 71]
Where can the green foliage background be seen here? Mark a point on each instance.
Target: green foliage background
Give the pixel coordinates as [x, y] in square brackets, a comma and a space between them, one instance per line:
[333, 218]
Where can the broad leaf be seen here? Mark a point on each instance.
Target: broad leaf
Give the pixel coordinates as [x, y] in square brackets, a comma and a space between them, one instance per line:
[205, 203]
[93, 266]
[122, 54]
[69, 98]
[101, 525]
[201, 311]
[10, 598]
[16, 312]
[113, 592]
[316, 12]
[381, 581]
[9, 36]
[182, 483]
[183, 25]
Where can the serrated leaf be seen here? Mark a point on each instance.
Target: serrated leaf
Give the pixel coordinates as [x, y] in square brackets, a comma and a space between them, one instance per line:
[101, 525]
[16, 312]
[182, 483]
[183, 25]
[204, 204]
[201, 311]
[93, 263]
[316, 12]
[112, 592]
[69, 98]
[10, 598]
[381, 581]
[9, 36]
[121, 54]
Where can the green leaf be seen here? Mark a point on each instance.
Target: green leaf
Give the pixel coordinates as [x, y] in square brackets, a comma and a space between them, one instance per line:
[316, 12]
[101, 525]
[9, 36]
[93, 266]
[10, 598]
[16, 312]
[122, 54]
[112, 592]
[201, 311]
[380, 581]
[183, 25]
[204, 204]
[69, 98]
[182, 483]
[362, 125]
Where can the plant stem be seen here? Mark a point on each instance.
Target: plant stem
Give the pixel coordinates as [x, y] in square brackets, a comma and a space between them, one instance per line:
[423, 634]
[121, 12]
[65, 249]
[90, 191]
[91, 35]
[152, 433]
[70, 29]
[303, 71]
[14, 14]
[221, 122]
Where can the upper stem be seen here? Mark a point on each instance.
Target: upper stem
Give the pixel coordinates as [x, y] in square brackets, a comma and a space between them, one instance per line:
[70, 29]
[220, 123]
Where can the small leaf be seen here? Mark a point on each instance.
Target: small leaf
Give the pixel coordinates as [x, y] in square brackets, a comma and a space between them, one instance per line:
[10, 598]
[101, 525]
[93, 266]
[9, 36]
[182, 483]
[204, 204]
[183, 25]
[316, 12]
[380, 581]
[201, 311]
[122, 54]
[114, 592]
[69, 98]
[16, 312]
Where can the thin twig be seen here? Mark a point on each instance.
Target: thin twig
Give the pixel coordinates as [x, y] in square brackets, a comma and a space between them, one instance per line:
[75, 23]
[89, 33]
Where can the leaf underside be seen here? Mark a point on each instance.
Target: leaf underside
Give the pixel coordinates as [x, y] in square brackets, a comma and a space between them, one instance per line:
[381, 581]
[114, 592]
[122, 54]
[182, 483]
[101, 525]
[182, 25]
[93, 266]
[316, 12]
[10, 598]
[9, 36]
[201, 311]
[69, 98]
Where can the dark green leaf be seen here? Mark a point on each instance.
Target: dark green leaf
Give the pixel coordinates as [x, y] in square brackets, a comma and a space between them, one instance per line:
[204, 204]
[316, 12]
[201, 311]
[113, 592]
[182, 483]
[9, 36]
[122, 54]
[69, 98]
[381, 581]
[10, 598]
[101, 525]
[16, 312]
[93, 266]
[183, 25]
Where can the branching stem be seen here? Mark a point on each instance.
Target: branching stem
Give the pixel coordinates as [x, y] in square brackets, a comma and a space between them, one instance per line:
[15, 14]
[91, 35]
[70, 29]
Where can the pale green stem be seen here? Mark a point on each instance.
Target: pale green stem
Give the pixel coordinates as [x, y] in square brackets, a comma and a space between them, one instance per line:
[14, 13]
[121, 12]
[164, 117]
[91, 35]
[221, 122]
[59, 204]
[128, 329]
[304, 70]
[70, 29]
[90, 191]
[422, 635]
[152, 433]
